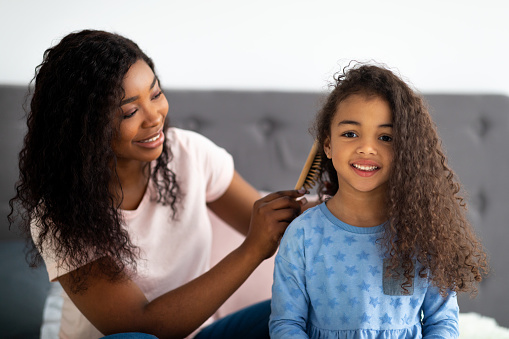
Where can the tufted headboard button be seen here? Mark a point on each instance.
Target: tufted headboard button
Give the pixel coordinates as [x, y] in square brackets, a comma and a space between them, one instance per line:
[482, 126]
[267, 126]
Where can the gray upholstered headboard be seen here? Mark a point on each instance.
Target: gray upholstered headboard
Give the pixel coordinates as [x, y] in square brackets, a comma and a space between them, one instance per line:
[267, 134]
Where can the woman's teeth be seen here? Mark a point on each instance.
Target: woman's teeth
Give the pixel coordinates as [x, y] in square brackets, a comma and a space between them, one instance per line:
[151, 139]
[365, 168]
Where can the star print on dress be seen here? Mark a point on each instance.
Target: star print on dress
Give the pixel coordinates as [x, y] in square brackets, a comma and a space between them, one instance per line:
[299, 233]
[386, 319]
[318, 229]
[340, 256]
[414, 302]
[374, 270]
[329, 271]
[308, 243]
[364, 286]
[341, 288]
[345, 319]
[327, 241]
[353, 301]
[396, 302]
[316, 303]
[295, 293]
[351, 270]
[364, 318]
[374, 301]
[363, 256]
[350, 239]
[333, 303]
[319, 258]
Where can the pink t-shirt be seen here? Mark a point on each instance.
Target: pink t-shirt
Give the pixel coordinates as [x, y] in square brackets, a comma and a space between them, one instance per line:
[173, 251]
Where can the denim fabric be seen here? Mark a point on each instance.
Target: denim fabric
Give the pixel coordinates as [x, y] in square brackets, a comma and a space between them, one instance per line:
[130, 335]
[249, 323]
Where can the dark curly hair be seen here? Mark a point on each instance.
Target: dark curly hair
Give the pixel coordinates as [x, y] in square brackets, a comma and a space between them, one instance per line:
[67, 164]
[426, 215]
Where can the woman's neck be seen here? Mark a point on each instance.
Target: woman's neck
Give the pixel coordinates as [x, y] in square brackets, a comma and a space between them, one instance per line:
[360, 209]
[132, 183]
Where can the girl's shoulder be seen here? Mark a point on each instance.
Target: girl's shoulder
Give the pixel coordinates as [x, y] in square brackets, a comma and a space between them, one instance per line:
[308, 218]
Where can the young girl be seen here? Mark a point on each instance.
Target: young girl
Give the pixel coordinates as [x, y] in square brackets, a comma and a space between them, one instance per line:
[385, 255]
[116, 202]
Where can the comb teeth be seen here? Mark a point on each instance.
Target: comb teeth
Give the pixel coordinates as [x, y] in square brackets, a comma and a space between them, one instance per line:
[311, 170]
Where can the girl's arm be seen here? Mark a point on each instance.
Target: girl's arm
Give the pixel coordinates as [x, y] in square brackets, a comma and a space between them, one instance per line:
[290, 300]
[440, 315]
[120, 306]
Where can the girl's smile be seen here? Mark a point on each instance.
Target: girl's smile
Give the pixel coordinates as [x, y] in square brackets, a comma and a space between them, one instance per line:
[365, 168]
[360, 143]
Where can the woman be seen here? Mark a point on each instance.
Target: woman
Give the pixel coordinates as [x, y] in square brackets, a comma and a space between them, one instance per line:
[116, 201]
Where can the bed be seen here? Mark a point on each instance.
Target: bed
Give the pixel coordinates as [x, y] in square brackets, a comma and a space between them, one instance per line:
[267, 134]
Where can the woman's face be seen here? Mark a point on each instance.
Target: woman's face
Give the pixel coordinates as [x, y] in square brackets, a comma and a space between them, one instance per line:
[360, 143]
[144, 109]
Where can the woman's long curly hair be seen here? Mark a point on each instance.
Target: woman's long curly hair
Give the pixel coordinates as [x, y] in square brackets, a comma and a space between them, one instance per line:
[67, 165]
[426, 215]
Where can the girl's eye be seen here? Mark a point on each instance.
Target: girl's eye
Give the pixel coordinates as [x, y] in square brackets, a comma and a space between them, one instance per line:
[386, 138]
[130, 114]
[349, 134]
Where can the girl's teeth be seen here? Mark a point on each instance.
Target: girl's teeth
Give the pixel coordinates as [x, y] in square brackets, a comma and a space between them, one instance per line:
[151, 139]
[365, 168]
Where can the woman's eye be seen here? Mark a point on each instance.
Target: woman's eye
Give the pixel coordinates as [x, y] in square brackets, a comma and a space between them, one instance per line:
[130, 114]
[158, 94]
[349, 134]
[386, 138]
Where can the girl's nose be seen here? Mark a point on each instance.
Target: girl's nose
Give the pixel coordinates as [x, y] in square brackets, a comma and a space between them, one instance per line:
[367, 147]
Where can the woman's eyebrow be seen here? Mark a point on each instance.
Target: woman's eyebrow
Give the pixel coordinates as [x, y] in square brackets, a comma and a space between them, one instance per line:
[131, 99]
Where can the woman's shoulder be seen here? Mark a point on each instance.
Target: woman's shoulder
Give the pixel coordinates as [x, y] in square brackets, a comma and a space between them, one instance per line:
[175, 134]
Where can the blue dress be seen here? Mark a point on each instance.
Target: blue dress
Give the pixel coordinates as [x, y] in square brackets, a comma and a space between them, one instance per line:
[329, 282]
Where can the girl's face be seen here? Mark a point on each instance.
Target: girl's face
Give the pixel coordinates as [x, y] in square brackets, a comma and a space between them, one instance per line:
[144, 110]
[360, 143]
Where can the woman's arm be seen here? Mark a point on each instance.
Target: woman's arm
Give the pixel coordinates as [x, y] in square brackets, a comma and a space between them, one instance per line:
[236, 204]
[120, 306]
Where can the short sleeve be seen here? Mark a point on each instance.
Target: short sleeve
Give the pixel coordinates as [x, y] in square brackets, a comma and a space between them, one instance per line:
[215, 163]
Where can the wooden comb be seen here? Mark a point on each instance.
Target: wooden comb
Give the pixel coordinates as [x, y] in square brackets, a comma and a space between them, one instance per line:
[311, 170]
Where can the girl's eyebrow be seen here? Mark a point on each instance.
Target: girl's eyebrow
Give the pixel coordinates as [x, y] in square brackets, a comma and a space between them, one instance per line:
[352, 122]
[129, 100]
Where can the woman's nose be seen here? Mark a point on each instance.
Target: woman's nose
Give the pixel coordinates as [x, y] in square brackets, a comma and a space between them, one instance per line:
[153, 116]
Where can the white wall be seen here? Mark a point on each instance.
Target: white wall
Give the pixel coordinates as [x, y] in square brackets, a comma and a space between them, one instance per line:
[438, 45]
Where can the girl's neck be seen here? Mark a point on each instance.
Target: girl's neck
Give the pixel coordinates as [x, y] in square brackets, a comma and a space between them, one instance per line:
[361, 209]
[133, 178]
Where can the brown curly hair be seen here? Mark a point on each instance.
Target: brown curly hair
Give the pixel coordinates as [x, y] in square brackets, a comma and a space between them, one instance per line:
[65, 164]
[426, 215]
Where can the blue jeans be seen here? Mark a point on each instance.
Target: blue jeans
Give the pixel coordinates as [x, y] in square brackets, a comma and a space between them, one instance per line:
[249, 323]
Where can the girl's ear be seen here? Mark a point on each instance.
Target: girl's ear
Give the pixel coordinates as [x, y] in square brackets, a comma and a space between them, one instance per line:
[326, 148]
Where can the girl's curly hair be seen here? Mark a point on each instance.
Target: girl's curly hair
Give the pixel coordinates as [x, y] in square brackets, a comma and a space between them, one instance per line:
[426, 215]
[67, 164]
